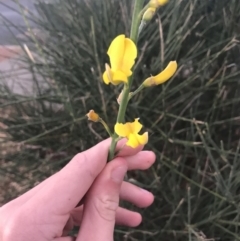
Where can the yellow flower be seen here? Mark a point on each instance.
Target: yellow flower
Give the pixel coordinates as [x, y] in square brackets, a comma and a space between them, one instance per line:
[122, 53]
[157, 3]
[93, 116]
[163, 76]
[130, 130]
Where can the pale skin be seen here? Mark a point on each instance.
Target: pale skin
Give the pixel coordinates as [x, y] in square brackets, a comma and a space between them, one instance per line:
[50, 210]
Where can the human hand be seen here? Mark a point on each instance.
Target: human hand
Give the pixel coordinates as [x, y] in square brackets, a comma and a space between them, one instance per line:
[49, 211]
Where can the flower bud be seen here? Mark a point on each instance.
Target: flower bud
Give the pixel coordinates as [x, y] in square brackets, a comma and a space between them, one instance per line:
[147, 16]
[149, 82]
[119, 99]
[93, 116]
[163, 76]
[157, 3]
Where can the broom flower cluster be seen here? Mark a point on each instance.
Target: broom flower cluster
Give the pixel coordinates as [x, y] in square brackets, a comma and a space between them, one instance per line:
[122, 54]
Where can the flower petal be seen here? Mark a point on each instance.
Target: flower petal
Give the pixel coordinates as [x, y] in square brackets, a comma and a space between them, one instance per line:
[107, 75]
[122, 129]
[116, 52]
[135, 126]
[106, 78]
[118, 77]
[142, 139]
[129, 56]
[122, 53]
[115, 77]
[132, 141]
[166, 74]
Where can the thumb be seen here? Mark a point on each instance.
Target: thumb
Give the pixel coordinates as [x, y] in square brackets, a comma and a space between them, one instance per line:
[102, 202]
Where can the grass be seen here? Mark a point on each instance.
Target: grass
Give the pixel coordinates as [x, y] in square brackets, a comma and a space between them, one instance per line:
[193, 119]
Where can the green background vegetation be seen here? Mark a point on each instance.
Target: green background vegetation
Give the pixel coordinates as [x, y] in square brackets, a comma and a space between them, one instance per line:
[193, 120]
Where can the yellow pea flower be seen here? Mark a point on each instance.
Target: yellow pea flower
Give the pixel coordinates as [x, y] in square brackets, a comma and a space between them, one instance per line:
[93, 116]
[163, 76]
[130, 130]
[122, 53]
[157, 3]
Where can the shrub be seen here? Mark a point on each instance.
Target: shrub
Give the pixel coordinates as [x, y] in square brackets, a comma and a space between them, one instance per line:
[193, 119]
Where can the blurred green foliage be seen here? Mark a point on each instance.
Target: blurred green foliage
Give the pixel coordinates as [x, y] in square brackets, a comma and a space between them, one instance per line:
[193, 119]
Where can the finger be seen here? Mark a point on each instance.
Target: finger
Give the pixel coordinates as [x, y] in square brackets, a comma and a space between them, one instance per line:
[102, 202]
[123, 217]
[141, 160]
[129, 192]
[127, 217]
[123, 150]
[135, 195]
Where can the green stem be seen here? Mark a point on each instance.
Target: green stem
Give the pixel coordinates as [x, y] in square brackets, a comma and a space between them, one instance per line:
[123, 105]
[111, 153]
[141, 87]
[137, 16]
[124, 101]
[136, 20]
[134, 37]
[106, 127]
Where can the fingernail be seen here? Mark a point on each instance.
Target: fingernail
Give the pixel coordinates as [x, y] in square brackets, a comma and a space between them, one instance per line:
[118, 174]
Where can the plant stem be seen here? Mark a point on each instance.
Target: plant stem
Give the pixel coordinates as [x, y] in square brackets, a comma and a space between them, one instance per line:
[137, 15]
[136, 20]
[105, 126]
[123, 105]
[134, 37]
[112, 147]
[141, 87]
